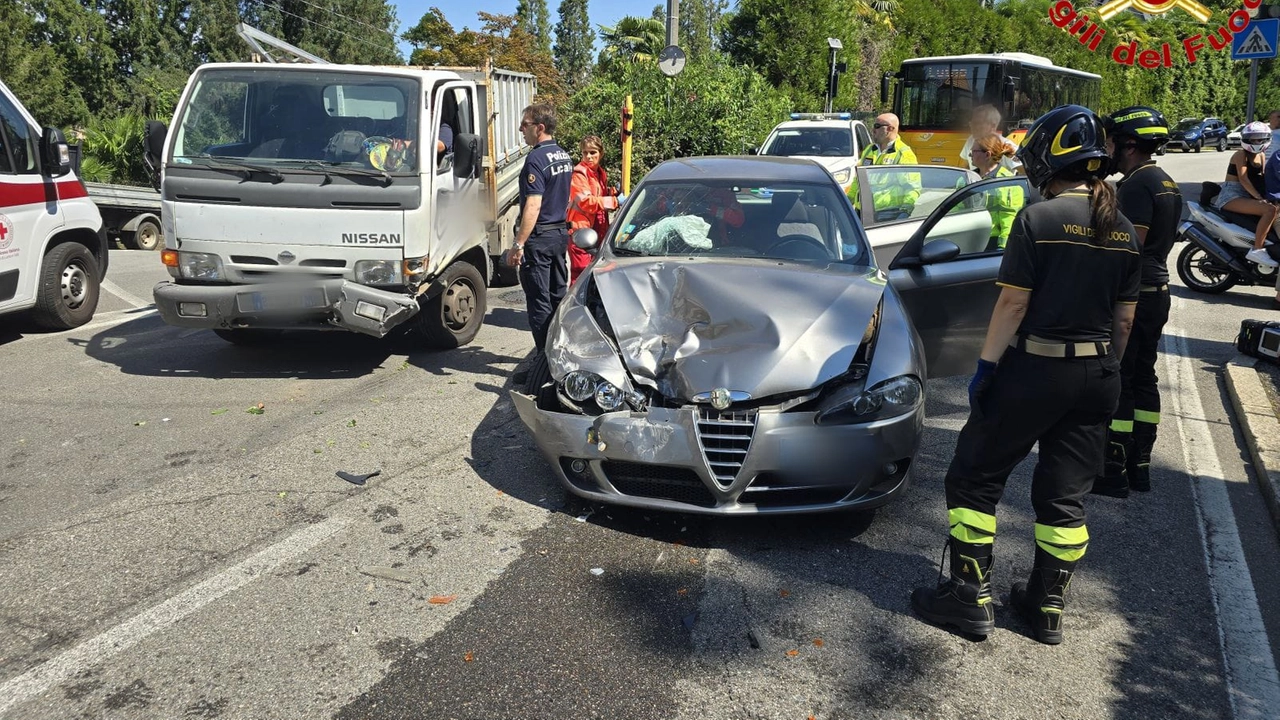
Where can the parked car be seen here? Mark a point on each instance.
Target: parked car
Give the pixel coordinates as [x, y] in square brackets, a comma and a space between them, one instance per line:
[1233, 137]
[833, 140]
[736, 347]
[1197, 133]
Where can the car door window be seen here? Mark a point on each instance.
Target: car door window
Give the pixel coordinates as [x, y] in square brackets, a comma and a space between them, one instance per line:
[979, 222]
[18, 139]
[864, 138]
[896, 193]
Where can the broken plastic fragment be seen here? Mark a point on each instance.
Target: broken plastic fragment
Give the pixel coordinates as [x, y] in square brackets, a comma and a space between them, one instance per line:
[442, 599]
[468, 657]
[817, 642]
[597, 571]
[140, 423]
[792, 653]
[387, 573]
[355, 479]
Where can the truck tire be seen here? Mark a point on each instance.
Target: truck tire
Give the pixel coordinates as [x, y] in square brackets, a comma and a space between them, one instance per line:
[68, 292]
[247, 337]
[453, 317]
[148, 236]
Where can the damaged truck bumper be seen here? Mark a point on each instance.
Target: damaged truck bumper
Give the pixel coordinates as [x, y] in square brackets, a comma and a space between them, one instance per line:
[329, 303]
[698, 460]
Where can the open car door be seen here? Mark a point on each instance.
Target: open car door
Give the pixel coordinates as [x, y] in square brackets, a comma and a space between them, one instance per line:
[893, 200]
[946, 272]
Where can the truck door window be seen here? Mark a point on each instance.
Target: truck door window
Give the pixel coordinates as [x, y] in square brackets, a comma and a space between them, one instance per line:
[18, 138]
[214, 121]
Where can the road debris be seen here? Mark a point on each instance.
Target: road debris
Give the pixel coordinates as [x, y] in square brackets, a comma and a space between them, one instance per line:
[597, 571]
[219, 411]
[140, 423]
[351, 422]
[388, 573]
[792, 653]
[784, 593]
[468, 657]
[257, 409]
[752, 640]
[442, 599]
[355, 479]
[817, 642]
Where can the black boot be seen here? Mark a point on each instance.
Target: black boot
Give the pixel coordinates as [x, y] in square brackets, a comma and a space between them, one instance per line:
[1139, 462]
[1041, 600]
[1114, 481]
[962, 601]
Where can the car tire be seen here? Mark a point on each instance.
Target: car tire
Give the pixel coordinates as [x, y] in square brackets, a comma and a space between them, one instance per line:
[248, 337]
[453, 317]
[539, 384]
[1222, 144]
[1191, 268]
[69, 286]
[148, 236]
[1199, 145]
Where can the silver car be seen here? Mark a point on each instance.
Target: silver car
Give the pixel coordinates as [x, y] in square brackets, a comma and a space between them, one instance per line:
[736, 347]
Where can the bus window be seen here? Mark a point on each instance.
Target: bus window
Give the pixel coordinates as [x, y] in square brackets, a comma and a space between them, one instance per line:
[941, 95]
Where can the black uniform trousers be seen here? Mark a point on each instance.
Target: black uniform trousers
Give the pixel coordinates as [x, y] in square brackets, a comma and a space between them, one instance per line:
[1139, 385]
[544, 275]
[1064, 404]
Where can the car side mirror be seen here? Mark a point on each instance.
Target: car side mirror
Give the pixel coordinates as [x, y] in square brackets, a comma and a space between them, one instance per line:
[466, 155]
[587, 239]
[153, 149]
[55, 152]
[938, 251]
[753, 150]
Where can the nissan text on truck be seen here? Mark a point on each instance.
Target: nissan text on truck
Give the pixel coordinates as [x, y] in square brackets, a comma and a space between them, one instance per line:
[53, 253]
[300, 196]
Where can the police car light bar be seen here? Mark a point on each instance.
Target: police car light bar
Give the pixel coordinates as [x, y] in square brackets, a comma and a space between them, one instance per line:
[822, 116]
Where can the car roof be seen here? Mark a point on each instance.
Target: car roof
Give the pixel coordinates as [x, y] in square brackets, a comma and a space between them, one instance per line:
[840, 124]
[750, 168]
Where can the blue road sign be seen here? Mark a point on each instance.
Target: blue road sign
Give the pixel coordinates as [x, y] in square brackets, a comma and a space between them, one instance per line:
[1257, 41]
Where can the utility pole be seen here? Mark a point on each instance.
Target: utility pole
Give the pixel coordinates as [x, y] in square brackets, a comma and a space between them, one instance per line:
[673, 21]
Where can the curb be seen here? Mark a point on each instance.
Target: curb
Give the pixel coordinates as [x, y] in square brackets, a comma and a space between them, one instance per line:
[1260, 428]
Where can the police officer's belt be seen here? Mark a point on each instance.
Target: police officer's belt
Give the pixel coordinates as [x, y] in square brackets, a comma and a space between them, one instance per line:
[544, 228]
[1044, 347]
[1153, 288]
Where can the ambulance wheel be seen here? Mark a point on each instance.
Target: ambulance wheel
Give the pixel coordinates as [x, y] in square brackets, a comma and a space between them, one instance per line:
[68, 292]
[1202, 273]
[148, 236]
[453, 318]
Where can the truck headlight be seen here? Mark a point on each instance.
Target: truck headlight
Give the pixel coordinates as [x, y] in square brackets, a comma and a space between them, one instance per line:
[200, 266]
[891, 398]
[377, 272]
[842, 176]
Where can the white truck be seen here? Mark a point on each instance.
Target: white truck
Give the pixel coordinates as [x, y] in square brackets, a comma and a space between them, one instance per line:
[833, 140]
[53, 253]
[318, 196]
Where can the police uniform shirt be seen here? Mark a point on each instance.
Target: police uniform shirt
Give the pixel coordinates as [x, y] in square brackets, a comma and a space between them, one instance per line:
[548, 171]
[1150, 199]
[1075, 278]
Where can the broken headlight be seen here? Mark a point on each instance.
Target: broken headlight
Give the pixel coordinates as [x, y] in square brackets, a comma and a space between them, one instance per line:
[891, 398]
[581, 386]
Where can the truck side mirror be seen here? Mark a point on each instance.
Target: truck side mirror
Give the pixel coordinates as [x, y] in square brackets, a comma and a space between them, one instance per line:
[55, 153]
[884, 89]
[466, 155]
[585, 239]
[153, 149]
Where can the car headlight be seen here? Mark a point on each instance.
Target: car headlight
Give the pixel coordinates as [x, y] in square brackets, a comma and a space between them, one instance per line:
[608, 396]
[581, 386]
[842, 176]
[377, 272]
[200, 266]
[891, 398]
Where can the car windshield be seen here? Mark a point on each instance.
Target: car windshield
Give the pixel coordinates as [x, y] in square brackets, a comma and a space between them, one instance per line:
[784, 221]
[833, 142]
[1188, 125]
[283, 118]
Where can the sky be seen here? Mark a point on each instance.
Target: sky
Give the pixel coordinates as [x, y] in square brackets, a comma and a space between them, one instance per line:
[462, 13]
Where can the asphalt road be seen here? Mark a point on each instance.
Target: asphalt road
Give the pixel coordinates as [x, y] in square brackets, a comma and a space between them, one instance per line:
[166, 554]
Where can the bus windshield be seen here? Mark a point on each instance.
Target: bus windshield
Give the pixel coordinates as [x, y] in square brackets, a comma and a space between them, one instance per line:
[940, 95]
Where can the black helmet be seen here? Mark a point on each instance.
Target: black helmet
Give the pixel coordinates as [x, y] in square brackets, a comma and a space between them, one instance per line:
[1066, 137]
[1138, 122]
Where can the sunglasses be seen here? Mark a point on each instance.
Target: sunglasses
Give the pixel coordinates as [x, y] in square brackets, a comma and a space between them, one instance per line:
[877, 126]
[526, 123]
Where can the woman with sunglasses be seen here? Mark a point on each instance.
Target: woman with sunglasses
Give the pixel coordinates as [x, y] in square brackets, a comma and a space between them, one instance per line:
[1003, 203]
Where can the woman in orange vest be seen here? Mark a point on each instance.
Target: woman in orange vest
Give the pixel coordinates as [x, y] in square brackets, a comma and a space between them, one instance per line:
[590, 199]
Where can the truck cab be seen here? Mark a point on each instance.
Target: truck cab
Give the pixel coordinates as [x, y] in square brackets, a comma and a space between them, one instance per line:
[833, 140]
[322, 196]
[53, 253]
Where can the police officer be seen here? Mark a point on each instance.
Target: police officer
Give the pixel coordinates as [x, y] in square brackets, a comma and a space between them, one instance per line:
[1049, 373]
[542, 240]
[1150, 199]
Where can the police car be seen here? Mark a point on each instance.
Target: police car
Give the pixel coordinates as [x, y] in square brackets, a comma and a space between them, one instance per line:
[53, 253]
[833, 140]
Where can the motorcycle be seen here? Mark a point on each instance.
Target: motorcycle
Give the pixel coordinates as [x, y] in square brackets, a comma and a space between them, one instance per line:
[1217, 240]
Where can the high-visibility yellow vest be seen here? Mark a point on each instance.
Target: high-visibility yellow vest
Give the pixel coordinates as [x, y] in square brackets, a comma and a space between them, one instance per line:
[904, 189]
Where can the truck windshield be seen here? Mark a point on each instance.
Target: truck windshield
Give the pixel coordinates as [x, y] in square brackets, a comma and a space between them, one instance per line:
[834, 142]
[293, 118]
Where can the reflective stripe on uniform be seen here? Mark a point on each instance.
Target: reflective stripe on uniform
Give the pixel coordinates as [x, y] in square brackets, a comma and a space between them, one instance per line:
[1122, 426]
[1066, 544]
[1147, 416]
[971, 526]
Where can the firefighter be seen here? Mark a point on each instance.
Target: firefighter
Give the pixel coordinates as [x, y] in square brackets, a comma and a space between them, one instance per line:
[902, 190]
[1150, 199]
[591, 202]
[1049, 372]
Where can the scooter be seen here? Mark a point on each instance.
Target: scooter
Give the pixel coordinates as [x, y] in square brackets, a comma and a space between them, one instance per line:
[1214, 259]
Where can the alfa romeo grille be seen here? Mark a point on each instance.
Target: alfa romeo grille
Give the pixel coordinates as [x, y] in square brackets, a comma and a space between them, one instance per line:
[725, 438]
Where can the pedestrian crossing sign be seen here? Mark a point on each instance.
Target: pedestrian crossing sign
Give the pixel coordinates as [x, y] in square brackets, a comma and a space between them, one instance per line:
[1258, 40]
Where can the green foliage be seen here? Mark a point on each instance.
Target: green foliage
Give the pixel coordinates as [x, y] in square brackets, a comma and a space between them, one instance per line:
[113, 148]
[573, 43]
[533, 17]
[632, 39]
[714, 107]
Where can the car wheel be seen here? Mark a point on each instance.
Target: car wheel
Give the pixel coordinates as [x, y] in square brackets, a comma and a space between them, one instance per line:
[68, 292]
[452, 318]
[1199, 145]
[1222, 144]
[1202, 273]
[148, 236]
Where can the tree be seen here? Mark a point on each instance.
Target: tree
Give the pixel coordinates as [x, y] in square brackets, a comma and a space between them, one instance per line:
[698, 19]
[633, 39]
[533, 17]
[34, 70]
[573, 43]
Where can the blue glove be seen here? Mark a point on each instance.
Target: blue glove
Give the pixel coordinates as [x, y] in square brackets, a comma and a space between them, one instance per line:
[981, 381]
[621, 199]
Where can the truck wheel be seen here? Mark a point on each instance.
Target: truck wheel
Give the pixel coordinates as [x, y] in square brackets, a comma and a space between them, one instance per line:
[68, 293]
[247, 337]
[148, 236]
[452, 318]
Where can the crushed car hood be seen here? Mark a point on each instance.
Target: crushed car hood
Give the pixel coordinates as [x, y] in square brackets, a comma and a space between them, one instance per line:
[762, 327]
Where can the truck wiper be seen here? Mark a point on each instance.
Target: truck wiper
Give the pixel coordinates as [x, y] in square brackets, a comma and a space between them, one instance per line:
[329, 168]
[236, 166]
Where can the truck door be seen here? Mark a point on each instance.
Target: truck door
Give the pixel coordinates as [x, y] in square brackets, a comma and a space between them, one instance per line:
[457, 217]
[29, 209]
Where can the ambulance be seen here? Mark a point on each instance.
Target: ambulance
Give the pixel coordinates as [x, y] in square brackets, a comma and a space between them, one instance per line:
[53, 253]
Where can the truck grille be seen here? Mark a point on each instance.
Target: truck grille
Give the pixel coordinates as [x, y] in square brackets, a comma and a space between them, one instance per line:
[725, 438]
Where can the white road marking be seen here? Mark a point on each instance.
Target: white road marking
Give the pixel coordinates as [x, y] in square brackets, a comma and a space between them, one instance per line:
[123, 294]
[1253, 685]
[129, 633]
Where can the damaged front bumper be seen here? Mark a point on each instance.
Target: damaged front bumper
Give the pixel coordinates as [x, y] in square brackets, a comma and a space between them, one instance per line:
[326, 303]
[675, 459]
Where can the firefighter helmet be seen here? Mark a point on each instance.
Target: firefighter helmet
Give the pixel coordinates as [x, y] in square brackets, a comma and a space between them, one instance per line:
[1138, 122]
[1068, 137]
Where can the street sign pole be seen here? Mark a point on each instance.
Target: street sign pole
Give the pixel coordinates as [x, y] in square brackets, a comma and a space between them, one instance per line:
[1260, 39]
[1253, 89]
